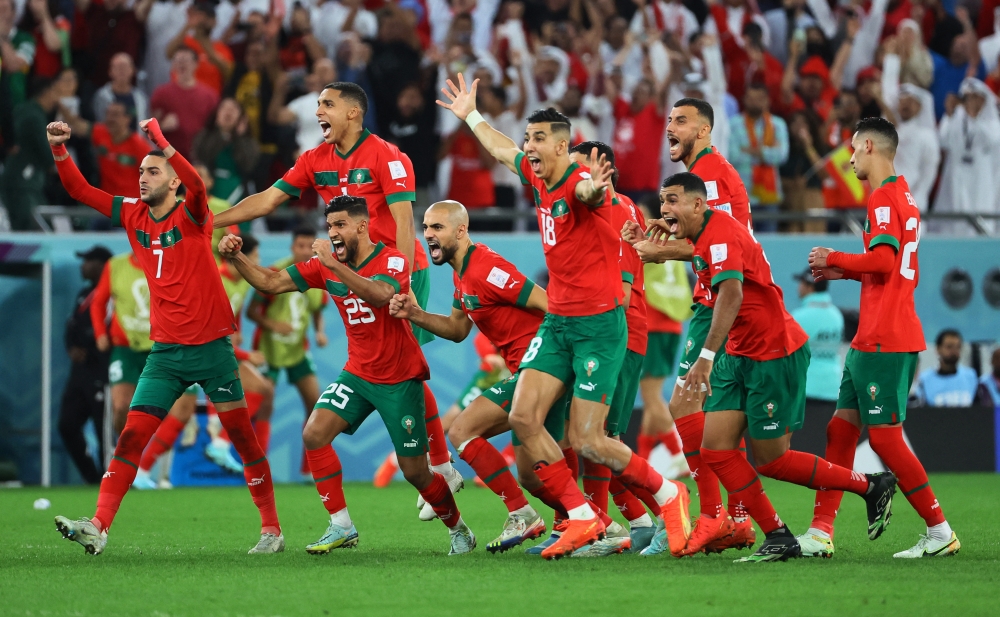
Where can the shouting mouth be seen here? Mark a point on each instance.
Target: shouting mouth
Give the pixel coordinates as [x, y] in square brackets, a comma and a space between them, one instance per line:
[435, 250]
[325, 126]
[535, 162]
[671, 222]
[675, 147]
[339, 249]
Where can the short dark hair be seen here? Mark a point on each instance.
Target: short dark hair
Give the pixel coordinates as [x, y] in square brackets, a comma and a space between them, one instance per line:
[881, 127]
[704, 108]
[249, 244]
[304, 230]
[757, 85]
[558, 120]
[690, 182]
[186, 48]
[943, 334]
[585, 147]
[352, 92]
[163, 155]
[353, 205]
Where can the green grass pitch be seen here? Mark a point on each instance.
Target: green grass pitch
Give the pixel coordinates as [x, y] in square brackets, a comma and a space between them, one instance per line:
[183, 552]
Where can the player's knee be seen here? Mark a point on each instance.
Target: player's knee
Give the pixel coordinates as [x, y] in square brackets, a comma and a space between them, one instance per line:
[417, 475]
[528, 480]
[457, 435]
[312, 438]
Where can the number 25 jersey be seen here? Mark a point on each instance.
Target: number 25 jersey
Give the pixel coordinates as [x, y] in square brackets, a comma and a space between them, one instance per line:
[380, 347]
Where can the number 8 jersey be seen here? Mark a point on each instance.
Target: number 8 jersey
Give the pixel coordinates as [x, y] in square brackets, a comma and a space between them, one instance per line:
[888, 320]
[380, 348]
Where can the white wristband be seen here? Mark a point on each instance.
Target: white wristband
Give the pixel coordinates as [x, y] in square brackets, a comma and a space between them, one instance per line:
[473, 119]
[708, 355]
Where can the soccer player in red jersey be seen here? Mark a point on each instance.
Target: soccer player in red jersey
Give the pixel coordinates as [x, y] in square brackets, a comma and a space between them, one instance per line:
[757, 383]
[190, 324]
[507, 307]
[385, 368]
[883, 356]
[580, 345]
[689, 130]
[352, 161]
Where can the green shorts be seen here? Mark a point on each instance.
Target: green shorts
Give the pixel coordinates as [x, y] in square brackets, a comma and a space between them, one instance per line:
[624, 400]
[771, 393]
[479, 382]
[420, 283]
[555, 423]
[698, 327]
[126, 365]
[877, 384]
[585, 353]
[401, 406]
[661, 355]
[304, 368]
[171, 369]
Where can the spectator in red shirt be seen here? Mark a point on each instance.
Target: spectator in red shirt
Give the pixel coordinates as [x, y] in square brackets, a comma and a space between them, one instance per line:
[638, 139]
[119, 151]
[471, 165]
[215, 60]
[183, 106]
[103, 29]
[44, 20]
[752, 64]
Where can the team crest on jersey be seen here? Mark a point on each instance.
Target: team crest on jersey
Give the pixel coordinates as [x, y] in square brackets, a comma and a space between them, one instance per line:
[769, 407]
[699, 263]
[471, 302]
[591, 365]
[408, 423]
[359, 176]
[559, 208]
[689, 345]
[165, 239]
[873, 390]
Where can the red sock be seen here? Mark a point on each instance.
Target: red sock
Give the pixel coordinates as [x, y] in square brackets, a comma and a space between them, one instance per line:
[163, 439]
[329, 477]
[743, 446]
[646, 497]
[254, 399]
[139, 428]
[212, 412]
[595, 483]
[743, 485]
[691, 429]
[573, 462]
[812, 471]
[544, 495]
[628, 504]
[439, 496]
[639, 473]
[557, 478]
[435, 433]
[262, 428]
[645, 444]
[601, 514]
[492, 468]
[841, 444]
[256, 469]
[672, 441]
[889, 445]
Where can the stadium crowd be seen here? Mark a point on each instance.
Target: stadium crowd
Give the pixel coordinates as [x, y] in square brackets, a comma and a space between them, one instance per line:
[234, 86]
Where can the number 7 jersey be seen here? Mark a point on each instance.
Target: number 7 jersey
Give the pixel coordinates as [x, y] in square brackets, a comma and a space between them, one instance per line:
[888, 320]
[380, 348]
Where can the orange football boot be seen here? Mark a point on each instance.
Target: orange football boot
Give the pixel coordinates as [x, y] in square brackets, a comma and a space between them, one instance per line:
[709, 529]
[743, 537]
[577, 534]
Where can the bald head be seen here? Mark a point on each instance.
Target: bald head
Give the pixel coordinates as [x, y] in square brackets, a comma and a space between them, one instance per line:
[446, 230]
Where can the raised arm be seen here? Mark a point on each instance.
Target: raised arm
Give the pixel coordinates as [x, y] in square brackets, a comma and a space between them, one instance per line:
[252, 207]
[58, 134]
[727, 307]
[463, 105]
[196, 200]
[373, 291]
[454, 327]
[262, 279]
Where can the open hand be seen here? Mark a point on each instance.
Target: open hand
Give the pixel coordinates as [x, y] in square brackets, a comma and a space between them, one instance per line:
[828, 274]
[631, 232]
[697, 381]
[600, 171]
[462, 99]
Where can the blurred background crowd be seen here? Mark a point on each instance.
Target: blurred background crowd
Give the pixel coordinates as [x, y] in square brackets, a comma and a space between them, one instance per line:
[234, 86]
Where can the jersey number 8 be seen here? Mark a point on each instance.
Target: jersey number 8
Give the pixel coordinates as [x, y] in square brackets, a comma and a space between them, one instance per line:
[356, 306]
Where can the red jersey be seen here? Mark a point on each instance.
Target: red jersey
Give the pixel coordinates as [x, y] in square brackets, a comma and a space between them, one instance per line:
[888, 320]
[637, 143]
[660, 322]
[580, 245]
[484, 347]
[763, 329]
[624, 209]
[380, 348]
[494, 294]
[374, 169]
[118, 162]
[727, 193]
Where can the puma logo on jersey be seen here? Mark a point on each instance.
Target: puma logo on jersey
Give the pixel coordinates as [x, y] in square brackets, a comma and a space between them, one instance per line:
[402, 184]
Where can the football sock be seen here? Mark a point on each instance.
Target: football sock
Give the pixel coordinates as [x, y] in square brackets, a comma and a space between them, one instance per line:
[492, 468]
[627, 503]
[601, 514]
[639, 473]
[889, 445]
[508, 454]
[672, 441]
[595, 483]
[573, 462]
[329, 477]
[645, 444]
[692, 429]
[735, 510]
[940, 532]
[816, 473]
[439, 496]
[557, 478]
[163, 439]
[256, 469]
[841, 444]
[545, 496]
[341, 518]
[646, 498]
[139, 428]
[743, 446]
[438, 445]
[743, 485]
[262, 428]
[254, 400]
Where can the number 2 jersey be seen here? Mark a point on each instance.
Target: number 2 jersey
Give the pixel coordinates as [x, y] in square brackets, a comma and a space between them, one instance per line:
[581, 247]
[188, 305]
[380, 348]
[623, 209]
[888, 319]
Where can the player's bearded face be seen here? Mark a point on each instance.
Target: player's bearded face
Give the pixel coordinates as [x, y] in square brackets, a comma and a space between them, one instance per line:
[682, 131]
[344, 238]
[154, 181]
